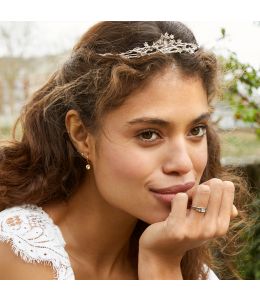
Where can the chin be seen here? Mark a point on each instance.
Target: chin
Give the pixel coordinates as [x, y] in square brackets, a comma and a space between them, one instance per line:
[155, 218]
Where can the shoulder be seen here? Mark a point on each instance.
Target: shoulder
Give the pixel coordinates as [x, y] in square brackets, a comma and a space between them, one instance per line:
[20, 224]
[13, 267]
[28, 225]
[33, 245]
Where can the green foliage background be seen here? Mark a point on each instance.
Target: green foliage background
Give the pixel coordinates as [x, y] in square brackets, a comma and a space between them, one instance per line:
[241, 83]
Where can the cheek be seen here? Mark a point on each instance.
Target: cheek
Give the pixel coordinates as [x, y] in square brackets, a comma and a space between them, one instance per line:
[125, 163]
[121, 174]
[200, 158]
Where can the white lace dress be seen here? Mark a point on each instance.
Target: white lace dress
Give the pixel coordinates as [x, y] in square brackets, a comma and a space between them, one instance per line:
[36, 239]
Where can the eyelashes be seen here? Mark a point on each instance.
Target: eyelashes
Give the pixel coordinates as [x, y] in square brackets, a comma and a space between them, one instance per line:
[147, 134]
[203, 129]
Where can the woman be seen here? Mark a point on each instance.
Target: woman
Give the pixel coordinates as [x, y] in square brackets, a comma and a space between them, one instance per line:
[117, 174]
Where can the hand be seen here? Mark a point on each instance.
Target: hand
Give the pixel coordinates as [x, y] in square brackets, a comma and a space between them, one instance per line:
[166, 242]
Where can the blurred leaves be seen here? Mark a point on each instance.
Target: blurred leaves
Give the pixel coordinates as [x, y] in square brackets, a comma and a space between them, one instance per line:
[248, 261]
[241, 89]
[223, 33]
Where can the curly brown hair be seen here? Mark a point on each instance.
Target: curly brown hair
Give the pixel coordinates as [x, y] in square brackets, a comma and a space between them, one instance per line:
[44, 165]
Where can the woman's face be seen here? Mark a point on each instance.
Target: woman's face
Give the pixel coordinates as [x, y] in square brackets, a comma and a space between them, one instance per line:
[157, 139]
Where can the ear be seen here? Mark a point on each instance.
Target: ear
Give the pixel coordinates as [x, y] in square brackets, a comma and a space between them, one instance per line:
[78, 133]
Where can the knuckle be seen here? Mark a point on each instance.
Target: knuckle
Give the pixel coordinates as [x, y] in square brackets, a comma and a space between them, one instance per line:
[171, 219]
[193, 235]
[222, 228]
[221, 232]
[176, 234]
[216, 181]
[203, 189]
[229, 186]
[209, 232]
[181, 196]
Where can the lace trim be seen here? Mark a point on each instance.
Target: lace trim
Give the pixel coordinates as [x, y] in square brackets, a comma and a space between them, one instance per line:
[35, 238]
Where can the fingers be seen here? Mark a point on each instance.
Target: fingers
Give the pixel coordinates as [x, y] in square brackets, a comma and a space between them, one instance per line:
[200, 199]
[234, 212]
[217, 197]
[227, 199]
[226, 207]
[219, 204]
[217, 187]
[216, 191]
[179, 207]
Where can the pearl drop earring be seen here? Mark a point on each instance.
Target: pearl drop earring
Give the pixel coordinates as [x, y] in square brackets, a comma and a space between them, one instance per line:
[88, 167]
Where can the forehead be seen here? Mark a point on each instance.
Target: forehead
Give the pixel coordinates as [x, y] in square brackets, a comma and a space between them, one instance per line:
[168, 95]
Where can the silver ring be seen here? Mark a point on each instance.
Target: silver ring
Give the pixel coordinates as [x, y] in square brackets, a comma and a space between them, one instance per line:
[199, 209]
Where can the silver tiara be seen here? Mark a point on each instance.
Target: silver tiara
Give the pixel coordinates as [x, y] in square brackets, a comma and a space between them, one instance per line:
[165, 44]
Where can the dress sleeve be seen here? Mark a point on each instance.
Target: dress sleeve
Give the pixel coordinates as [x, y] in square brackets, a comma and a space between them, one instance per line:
[212, 275]
[35, 238]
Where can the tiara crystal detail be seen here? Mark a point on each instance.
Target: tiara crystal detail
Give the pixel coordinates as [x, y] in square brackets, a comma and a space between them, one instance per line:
[166, 44]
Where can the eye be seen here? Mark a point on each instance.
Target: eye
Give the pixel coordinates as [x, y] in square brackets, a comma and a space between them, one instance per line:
[199, 131]
[148, 135]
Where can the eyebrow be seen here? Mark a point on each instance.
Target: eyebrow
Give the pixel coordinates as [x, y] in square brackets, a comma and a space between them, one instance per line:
[164, 123]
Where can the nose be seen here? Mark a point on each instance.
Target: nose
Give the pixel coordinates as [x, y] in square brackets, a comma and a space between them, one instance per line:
[178, 158]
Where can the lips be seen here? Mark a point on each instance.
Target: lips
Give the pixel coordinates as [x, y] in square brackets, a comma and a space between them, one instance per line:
[167, 194]
[181, 188]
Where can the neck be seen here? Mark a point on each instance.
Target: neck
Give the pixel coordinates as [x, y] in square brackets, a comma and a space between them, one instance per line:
[97, 235]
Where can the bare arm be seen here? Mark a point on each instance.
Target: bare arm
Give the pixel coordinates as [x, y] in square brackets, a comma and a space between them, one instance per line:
[150, 268]
[162, 245]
